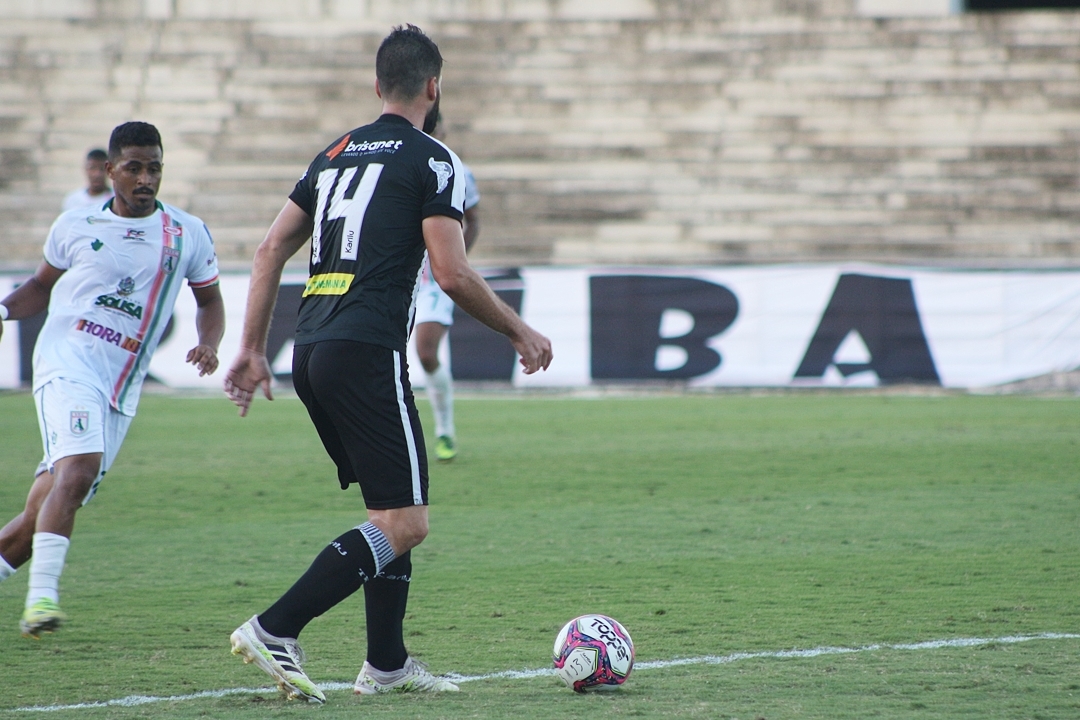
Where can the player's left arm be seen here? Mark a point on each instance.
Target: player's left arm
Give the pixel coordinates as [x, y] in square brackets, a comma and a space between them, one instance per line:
[470, 222]
[471, 226]
[210, 323]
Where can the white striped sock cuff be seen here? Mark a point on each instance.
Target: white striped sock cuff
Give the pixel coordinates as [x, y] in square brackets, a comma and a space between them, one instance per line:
[380, 546]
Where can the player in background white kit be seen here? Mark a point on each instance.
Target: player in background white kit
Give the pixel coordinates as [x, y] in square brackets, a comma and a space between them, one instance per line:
[434, 316]
[97, 190]
[110, 280]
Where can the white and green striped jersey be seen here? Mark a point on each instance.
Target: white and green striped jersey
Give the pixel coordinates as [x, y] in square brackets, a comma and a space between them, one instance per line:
[109, 309]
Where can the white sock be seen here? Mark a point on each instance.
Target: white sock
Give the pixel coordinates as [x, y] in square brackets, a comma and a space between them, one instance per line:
[46, 564]
[440, 390]
[6, 570]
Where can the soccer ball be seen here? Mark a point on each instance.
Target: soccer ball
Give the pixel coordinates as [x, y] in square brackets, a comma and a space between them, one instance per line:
[593, 652]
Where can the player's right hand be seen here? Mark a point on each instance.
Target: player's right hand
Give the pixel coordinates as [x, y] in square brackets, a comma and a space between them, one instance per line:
[534, 349]
[248, 371]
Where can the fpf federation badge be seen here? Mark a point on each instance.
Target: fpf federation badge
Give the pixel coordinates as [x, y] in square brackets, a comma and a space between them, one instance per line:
[169, 258]
[80, 421]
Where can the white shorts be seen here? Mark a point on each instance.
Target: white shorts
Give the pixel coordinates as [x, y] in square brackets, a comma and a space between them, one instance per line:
[433, 305]
[76, 419]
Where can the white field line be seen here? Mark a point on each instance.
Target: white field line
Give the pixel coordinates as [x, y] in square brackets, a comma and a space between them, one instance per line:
[135, 700]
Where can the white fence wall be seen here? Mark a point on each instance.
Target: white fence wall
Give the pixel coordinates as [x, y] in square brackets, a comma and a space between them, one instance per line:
[810, 325]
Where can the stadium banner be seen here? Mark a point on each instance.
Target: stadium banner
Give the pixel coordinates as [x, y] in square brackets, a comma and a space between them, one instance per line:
[752, 326]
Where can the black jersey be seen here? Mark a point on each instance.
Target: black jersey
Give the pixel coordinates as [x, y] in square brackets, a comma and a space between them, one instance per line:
[368, 195]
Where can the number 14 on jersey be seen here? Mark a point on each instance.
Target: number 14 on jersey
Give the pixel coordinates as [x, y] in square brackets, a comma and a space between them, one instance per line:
[352, 209]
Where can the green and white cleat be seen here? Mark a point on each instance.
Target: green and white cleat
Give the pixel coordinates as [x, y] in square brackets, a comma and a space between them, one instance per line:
[44, 616]
[279, 658]
[445, 449]
[414, 677]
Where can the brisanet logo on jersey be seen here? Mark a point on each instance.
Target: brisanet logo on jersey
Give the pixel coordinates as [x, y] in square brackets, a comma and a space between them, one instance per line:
[368, 147]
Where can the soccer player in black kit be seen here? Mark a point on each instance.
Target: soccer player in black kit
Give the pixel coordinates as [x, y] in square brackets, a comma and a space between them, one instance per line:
[372, 203]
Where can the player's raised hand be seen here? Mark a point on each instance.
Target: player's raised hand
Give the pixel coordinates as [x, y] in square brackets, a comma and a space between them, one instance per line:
[248, 371]
[205, 358]
[534, 349]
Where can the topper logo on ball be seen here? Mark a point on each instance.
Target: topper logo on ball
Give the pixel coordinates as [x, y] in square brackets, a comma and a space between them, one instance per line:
[593, 652]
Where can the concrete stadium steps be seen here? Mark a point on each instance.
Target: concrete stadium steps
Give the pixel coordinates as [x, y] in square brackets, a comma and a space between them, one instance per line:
[620, 131]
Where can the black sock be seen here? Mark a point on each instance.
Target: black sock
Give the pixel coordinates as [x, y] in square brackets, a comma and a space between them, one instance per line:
[385, 599]
[337, 572]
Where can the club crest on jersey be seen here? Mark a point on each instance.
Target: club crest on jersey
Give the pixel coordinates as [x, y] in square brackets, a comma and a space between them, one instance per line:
[80, 421]
[443, 172]
[125, 287]
[170, 257]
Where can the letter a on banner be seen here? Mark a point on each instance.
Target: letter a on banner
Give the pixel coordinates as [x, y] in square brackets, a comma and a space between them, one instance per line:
[882, 313]
[629, 314]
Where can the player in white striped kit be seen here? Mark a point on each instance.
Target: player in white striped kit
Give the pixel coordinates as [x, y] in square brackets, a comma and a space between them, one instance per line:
[110, 279]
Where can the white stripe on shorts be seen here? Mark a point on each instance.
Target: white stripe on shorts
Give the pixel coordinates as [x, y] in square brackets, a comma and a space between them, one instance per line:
[414, 463]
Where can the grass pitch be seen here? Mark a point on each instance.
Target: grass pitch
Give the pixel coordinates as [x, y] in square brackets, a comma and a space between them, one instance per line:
[707, 525]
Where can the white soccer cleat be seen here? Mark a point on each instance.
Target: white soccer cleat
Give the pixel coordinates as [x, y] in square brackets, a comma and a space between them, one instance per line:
[279, 658]
[414, 677]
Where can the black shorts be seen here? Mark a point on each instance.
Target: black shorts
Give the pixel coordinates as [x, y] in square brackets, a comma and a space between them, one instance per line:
[359, 397]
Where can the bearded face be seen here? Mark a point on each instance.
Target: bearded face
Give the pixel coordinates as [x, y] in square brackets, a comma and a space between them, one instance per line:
[432, 117]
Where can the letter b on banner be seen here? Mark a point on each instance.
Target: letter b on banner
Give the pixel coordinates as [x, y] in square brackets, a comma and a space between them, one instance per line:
[640, 322]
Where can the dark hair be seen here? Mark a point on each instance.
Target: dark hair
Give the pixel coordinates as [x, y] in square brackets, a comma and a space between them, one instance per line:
[97, 154]
[406, 60]
[132, 134]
